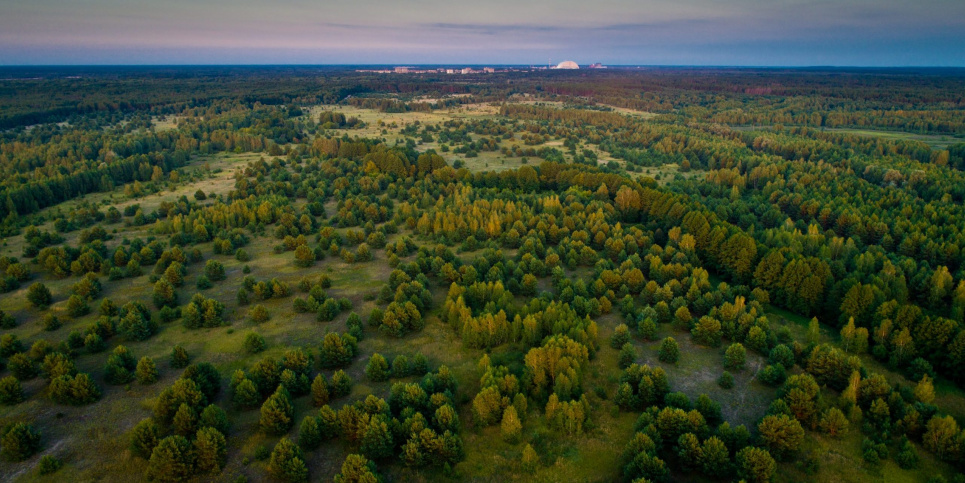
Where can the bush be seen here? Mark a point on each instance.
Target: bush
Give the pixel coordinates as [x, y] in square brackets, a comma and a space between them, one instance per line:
[51, 322]
[726, 380]
[259, 314]
[39, 295]
[203, 283]
[11, 392]
[254, 343]
[48, 465]
[19, 442]
[772, 375]
[179, 357]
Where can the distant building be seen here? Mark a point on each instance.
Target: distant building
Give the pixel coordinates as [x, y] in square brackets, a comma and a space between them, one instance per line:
[450, 71]
[567, 64]
[401, 70]
[488, 70]
[597, 66]
[467, 70]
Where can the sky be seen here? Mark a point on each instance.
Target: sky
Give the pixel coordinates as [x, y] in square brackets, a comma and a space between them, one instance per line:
[410, 32]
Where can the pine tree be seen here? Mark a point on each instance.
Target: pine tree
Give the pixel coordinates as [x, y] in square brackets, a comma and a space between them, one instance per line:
[246, 395]
[530, 459]
[287, 462]
[755, 465]
[669, 351]
[357, 469]
[277, 413]
[376, 440]
[171, 460]
[309, 433]
[11, 392]
[19, 442]
[714, 458]
[628, 354]
[179, 357]
[735, 357]
[185, 421]
[377, 369]
[146, 371]
[834, 422]
[39, 295]
[781, 434]
[210, 450]
[320, 393]
[214, 417]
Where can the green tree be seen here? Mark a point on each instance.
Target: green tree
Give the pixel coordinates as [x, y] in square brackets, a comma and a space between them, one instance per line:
[11, 392]
[669, 351]
[185, 420]
[39, 295]
[19, 442]
[171, 460]
[210, 450]
[755, 465]
[781, 434]
[246, 395]
[164, 294]
[628, 354]
[834, 422]
[377, 370]
[511, 428]
[941, 437]
[277, 412]
[707, 331]
[735, 357]
[376, 440]
[529, 459]
[319, 391]
[287, 462]
[309, 433]
[179, 357]
[357, 469]
[259, 314]
[146, 371]
[254, 343]
[714, 459]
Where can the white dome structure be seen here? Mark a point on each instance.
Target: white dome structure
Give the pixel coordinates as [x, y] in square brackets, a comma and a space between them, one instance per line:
[568, 64]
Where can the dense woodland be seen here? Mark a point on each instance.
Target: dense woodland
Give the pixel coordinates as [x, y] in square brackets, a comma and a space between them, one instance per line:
[236, 274]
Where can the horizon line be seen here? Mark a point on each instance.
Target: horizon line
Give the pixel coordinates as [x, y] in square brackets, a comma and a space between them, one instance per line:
[483, 64]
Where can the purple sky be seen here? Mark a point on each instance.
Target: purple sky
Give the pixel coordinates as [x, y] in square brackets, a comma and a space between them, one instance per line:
[672, 32]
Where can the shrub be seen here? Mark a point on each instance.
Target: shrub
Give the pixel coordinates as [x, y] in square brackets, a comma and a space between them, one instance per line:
[726, 380]
[254, 343]
[48, 465]
[39, 295]
[259, 314]
[179, 357]
[11, 392]
[19, 442]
